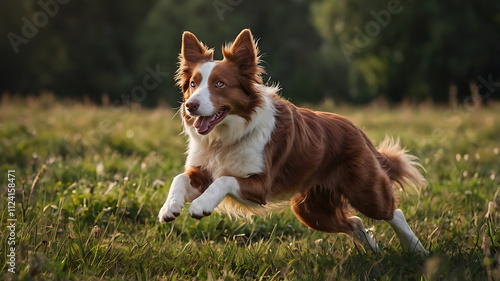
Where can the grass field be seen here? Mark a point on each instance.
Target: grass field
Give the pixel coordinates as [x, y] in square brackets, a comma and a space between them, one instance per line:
[90, 182]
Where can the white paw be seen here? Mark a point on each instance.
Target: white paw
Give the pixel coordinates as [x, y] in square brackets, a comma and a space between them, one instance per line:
[418, 248]
[200, 208]
[409, 242]
[363, 238]
[170, 210]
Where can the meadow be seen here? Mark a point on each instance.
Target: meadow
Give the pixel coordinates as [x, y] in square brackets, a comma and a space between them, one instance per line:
[90, 181]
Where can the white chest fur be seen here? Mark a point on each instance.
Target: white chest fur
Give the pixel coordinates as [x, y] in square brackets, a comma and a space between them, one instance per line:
[235, 147]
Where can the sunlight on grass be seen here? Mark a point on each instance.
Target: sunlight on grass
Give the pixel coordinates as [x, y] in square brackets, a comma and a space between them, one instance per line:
[92, 212]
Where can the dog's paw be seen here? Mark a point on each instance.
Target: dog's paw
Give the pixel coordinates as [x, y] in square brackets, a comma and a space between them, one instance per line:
[417, 248]
[170, 211]
[200, 208]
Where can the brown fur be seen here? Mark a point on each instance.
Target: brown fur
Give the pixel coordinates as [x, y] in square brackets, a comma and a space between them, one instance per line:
[192, 53]
[245, 55]
[200, 178]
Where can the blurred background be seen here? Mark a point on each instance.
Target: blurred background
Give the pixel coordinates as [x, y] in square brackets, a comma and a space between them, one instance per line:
[347, 51]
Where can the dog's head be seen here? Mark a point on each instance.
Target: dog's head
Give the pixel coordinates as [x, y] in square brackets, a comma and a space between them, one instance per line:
[214, 90]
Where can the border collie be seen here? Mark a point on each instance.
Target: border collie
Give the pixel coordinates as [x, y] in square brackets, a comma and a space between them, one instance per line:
[249, 149]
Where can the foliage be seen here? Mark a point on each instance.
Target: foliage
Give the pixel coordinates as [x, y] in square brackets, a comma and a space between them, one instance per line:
[93, 47]
[85, 221]
[403, 49]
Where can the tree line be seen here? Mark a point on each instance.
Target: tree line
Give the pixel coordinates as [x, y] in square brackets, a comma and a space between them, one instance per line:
[349, 51]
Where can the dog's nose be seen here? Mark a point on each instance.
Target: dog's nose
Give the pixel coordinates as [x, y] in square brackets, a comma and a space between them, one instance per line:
[192, 106]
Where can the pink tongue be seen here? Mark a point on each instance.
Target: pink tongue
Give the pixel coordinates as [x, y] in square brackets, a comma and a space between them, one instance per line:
[203, 122]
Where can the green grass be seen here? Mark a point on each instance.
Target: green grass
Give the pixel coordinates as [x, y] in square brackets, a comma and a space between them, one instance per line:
[76, 227]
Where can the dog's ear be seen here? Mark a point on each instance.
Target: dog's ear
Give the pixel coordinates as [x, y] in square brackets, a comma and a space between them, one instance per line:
[192, 52]
[245, 54]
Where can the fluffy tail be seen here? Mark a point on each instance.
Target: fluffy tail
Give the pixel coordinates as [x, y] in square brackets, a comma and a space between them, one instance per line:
[401, 167]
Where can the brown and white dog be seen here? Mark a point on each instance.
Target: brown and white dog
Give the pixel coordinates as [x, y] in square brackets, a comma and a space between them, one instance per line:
[250, 149]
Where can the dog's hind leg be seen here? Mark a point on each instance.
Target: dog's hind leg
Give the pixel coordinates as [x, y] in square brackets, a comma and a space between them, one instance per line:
[316, 211]
[361, 236]
[409, 242]
[372, 194]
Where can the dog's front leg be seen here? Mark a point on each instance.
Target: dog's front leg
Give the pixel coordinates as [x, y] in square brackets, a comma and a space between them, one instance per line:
[205, 204]
[251, 189]
[181, 191]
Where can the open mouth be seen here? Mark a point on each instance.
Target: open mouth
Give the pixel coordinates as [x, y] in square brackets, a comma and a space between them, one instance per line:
[205, 124]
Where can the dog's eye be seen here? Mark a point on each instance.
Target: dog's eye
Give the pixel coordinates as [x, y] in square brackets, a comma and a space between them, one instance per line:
[220, 84]
[193, 84]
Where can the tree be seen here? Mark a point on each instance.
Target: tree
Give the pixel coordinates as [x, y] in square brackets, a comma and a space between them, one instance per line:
[412, 50]
[83, 48]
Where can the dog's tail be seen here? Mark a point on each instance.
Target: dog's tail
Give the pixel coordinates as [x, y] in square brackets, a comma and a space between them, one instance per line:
[401, 167]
